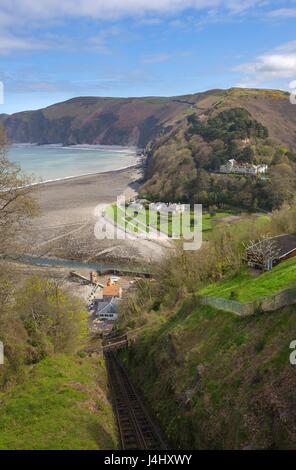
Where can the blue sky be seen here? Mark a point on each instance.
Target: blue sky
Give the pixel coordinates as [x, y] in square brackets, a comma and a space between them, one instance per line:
[52, 50]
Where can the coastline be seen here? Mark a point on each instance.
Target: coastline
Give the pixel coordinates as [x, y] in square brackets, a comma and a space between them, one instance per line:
[65, 227]
[71, 171]
[97, 173]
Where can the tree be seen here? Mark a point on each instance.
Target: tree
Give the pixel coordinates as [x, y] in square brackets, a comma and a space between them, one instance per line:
[16, 203]
[263, 252]
[247, 155]
[284, 219]
[55, 320]
[16, 208]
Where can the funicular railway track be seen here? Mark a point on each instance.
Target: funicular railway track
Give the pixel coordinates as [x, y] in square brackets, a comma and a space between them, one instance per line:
[136, 428]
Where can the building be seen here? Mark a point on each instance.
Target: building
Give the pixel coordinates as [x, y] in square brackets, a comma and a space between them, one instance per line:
[136, 206]
[107, 310]
[165, 208]
[94, 278]
[284, 247]
[158, 207]
[232, 166]
[112, 289]
[177, 208]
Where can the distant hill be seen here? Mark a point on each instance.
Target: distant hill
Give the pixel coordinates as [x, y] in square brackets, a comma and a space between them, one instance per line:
[248, 125]
[90, 120]
[136, 121]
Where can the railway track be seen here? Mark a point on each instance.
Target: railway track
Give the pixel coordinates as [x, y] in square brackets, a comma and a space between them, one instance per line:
[136, 428]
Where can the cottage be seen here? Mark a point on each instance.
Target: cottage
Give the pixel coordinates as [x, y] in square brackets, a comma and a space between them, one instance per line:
[107, 309]
[232, 166]
[165, 208]
[112, 290]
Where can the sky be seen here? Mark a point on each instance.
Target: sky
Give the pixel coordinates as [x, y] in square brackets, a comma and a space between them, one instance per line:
[53, 50]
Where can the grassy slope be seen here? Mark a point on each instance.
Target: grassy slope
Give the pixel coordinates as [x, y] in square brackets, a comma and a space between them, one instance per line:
[62, 405]
[248, 288]
[225, 382]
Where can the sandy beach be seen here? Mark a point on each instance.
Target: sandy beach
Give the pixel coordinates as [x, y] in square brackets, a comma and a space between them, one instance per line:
[65, 227]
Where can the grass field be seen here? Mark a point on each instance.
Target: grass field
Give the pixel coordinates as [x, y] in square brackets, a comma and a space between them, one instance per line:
[62, 405]
[139, 222]
[246, 288]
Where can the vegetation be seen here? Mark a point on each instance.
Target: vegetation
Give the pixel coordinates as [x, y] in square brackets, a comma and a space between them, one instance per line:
[227, 381]
[61, 405]
[37, 321]
[17, 205]
[229, 126]
[139, 221]
[51, 397]
[184, 165]
[247, 288]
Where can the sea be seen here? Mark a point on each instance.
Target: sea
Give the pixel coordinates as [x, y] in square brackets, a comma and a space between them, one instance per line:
[56, 162]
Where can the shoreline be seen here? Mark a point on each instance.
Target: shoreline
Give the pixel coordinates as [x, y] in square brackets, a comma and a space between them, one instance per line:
[65, 225]
[97, 173]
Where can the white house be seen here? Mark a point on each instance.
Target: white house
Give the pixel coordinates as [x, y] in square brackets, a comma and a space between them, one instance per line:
[158, 207]
[232, 166]
[107, 309]
[136, 206]
[177, 208]
[165, 208]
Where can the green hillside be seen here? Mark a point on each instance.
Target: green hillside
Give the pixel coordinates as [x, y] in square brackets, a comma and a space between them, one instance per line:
[246, 288]
[62, 406]
[246, 125]
[226, 382]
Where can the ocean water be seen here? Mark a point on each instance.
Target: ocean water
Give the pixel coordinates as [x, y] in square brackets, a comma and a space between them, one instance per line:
[52, 162]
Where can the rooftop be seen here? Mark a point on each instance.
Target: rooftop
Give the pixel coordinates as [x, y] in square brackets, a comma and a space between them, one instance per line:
[113, 290]
[286, 244]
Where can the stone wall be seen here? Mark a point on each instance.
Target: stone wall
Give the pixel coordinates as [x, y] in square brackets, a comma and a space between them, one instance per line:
[267, 304]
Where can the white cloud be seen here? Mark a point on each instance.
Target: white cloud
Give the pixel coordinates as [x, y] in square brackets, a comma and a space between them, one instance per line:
[10, 43]
[24, 15]
[31, 15]
[277, 64]
[36, 9]
[98, 43]
[283, 13]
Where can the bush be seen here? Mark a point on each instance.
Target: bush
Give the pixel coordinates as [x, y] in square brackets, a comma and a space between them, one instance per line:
[50, 315]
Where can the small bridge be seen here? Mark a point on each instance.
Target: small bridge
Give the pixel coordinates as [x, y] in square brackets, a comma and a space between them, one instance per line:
[112, 344]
